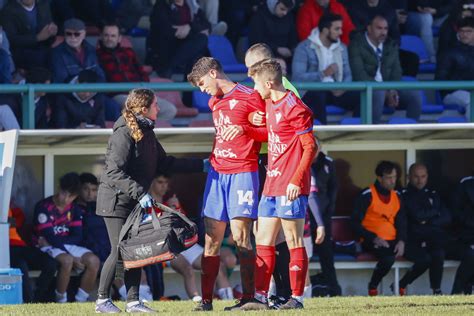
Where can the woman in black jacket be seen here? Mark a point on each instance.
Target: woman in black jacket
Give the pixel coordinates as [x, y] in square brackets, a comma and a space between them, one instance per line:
[133, 158]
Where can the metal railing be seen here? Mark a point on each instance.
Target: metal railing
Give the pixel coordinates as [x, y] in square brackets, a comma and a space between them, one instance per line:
[366, 88]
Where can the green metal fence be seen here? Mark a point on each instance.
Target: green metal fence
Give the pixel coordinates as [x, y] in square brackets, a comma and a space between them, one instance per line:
[366, 88]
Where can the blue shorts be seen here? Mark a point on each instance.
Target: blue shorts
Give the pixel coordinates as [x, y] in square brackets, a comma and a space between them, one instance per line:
[228, 196]
[278, 206]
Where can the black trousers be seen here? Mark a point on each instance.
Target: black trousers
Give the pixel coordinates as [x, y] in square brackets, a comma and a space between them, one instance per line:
[26, 258]
[326, 256]
[464, 279]
[176, 55]
[426, 253]
[386, 259]
[131, 276]
[317, 101]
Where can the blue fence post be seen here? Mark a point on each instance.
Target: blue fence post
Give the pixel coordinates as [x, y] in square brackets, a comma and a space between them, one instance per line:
[366, 105]
[28, 106]
[471, 118]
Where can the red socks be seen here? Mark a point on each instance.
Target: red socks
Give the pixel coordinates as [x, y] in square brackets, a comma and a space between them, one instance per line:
[247, 273]
[298, 270]
[265, 263]
[209, 271]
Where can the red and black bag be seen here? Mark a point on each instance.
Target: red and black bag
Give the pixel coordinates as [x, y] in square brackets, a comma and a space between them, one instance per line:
[159, 239]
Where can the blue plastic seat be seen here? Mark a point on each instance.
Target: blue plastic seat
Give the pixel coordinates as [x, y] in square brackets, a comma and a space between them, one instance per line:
[201, 101]
[317, 122]
[335, 110]
[221, 49]
[452, 119]
[138, 32]
[351, 121]
[402, 120]
[415, 45]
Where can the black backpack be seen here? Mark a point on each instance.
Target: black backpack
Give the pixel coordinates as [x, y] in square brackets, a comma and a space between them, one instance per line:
[158, 240]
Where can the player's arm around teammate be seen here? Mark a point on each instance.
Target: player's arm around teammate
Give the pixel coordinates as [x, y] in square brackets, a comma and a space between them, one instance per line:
[232, 184]
[291, 149]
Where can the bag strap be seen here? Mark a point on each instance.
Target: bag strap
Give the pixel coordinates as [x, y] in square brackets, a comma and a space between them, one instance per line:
[131, 219]
[170, 210]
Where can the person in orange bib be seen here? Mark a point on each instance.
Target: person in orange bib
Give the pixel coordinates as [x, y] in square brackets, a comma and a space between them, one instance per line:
[379, 221]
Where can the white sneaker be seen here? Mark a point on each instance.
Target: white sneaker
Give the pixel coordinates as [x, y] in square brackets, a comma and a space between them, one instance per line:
[145, 293]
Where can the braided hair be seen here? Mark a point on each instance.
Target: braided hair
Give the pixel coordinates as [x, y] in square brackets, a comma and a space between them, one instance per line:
[137, 100]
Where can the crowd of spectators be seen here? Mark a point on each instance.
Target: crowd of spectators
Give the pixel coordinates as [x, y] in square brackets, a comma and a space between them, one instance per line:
[320, 41]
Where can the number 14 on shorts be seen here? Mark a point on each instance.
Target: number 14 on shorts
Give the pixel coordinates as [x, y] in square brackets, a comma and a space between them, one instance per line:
[246, 197]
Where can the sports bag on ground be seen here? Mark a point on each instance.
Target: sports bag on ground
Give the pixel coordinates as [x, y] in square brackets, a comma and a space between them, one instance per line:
[143, 243]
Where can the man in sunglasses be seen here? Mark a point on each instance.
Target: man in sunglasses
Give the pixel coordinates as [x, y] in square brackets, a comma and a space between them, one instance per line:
[74, 54]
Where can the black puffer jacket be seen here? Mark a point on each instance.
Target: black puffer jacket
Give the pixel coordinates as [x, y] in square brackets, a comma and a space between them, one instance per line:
[456, 64]
[130, 168]
[425, 213]
[463, 210]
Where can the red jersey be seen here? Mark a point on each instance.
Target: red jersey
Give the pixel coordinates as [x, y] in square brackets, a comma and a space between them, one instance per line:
[286, 120]
[233, 108]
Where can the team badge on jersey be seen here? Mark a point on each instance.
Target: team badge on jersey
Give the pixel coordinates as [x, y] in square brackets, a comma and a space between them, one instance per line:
[278, 116]
[233, 103]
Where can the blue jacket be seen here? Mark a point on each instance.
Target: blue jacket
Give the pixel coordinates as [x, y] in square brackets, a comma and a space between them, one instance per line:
[66, 65]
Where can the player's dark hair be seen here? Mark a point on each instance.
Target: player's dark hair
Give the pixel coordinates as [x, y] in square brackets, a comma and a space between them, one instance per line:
[327, 19]
[270, 68]
[466, 22]
[202, 67]
[385, 167]
[87, 177]
[70, 182]
[162, 174]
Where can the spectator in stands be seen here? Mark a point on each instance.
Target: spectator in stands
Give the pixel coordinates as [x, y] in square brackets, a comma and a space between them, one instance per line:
[189, 260]
[362, 11]
[121, 64]
[312, 10]
[7, 118]
[25, 257]
[374, 57]
[81, 109]
[457, 63]
[379, 221]
[426, 237]
[422, 16]
[43, 109]
[30, 30]
[237, 15]
[274, 25]
[74, 54]
[448, 33]
[7, 67]
[322, 200]
[58, 228]
[323, 58]
[178, 36]
[462, 247]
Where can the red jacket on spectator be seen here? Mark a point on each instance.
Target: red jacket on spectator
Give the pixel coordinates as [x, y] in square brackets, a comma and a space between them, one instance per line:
[121, 64]
[310, 13]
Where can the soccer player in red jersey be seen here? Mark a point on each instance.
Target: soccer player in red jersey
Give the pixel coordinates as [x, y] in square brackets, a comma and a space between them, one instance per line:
[291, 149]
[232, 185]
